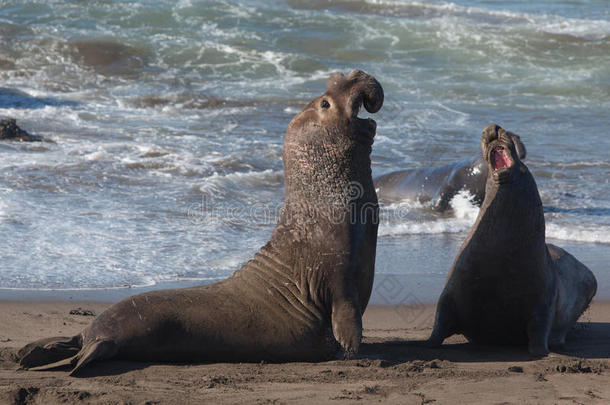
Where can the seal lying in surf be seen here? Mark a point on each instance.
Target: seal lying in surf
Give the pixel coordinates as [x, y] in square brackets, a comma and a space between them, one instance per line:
[310, 282]
[507, 286]
[440, 184]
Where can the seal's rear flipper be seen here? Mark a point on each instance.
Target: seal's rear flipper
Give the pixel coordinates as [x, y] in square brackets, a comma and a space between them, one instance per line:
[96, 350]
[49, 350]
[70, 361]
[77, 357]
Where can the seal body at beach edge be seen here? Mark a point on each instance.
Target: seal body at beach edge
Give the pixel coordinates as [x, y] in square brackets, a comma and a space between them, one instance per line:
[438, 185]
[300, 295]
[507, 286]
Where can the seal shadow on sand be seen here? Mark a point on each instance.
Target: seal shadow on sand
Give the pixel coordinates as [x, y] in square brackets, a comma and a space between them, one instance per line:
[587, 340]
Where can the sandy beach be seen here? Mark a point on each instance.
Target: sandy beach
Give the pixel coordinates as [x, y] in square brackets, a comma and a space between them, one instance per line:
[389, 368]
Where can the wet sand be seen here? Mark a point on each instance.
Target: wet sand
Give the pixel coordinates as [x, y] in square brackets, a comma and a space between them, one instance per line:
[389, 368]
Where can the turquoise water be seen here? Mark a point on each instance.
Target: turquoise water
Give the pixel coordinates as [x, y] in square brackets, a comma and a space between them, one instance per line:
[167, 121]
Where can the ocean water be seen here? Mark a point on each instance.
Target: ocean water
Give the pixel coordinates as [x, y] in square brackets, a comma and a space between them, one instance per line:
[166, 121]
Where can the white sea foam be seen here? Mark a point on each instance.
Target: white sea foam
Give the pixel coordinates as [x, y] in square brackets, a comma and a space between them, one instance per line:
[424, 227]
[406, 218]
[97, 155]
[592, 234]
[588, 29]
[464, 219]
[369, 34]
[448, 7]
[229, 263]
[252, 57]
[291, 110]
[465, 213]
[39, 286]
[3, 208]
[464, 207]
[251, 178]
[592, 29]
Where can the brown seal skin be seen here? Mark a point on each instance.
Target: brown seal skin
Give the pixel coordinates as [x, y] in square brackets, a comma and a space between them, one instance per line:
[310, 282]
[507, 286]
[438, 185]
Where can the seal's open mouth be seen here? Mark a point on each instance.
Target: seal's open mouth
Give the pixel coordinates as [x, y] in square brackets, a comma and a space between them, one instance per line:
[499, 158]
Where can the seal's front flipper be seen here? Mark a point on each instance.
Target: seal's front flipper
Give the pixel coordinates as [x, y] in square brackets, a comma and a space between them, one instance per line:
[538, 330]
[347, 325]
[557, 340]
[49, 350]
[445, 322]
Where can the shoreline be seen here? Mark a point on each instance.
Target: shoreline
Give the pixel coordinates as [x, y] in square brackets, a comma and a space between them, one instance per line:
[408, 271]
[388, 290]
[113, 294]
[390, 366]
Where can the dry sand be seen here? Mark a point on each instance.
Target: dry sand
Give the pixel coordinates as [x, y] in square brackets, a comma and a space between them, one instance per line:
[388, 369]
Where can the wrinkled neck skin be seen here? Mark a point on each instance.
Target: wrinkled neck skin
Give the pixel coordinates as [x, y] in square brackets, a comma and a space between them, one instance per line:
[326, 181]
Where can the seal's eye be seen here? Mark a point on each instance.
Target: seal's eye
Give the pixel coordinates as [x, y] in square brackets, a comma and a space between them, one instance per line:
[325, 104]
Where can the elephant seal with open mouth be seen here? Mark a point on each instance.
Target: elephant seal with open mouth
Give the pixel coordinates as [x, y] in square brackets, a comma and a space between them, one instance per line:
[310, 282]
[507, 286]
[438, 185]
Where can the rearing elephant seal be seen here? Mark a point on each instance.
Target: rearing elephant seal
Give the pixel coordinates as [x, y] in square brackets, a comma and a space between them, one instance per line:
[440, 184]
[507, 286]
[311, 281]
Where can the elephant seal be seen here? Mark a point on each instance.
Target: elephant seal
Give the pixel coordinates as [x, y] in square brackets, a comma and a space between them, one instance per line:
[310, 282]
[507, 286]
[440, 184]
